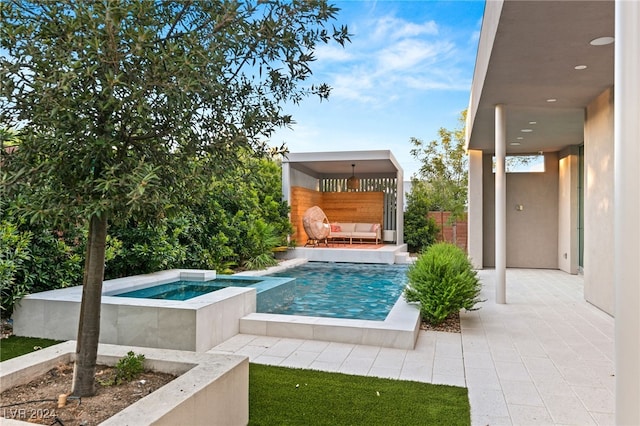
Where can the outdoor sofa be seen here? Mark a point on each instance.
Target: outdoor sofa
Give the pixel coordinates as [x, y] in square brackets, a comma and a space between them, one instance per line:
[348, 231]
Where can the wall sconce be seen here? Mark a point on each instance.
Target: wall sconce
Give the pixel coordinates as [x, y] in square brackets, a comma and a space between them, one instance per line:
[519, 207]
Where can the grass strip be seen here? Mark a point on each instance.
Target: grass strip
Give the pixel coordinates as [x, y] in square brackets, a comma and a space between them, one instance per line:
[287, 396]
[14, 346]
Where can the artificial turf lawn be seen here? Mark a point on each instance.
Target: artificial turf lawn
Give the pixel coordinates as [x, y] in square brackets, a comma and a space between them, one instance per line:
[286, 396]
[14, 346]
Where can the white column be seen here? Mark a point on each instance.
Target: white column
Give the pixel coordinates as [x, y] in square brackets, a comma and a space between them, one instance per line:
[400, 208]
[475, 238]
[501, 205]
[286, 182]
[626, 208]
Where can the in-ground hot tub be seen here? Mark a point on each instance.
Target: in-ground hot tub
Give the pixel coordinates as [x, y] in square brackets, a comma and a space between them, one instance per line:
[195, 324]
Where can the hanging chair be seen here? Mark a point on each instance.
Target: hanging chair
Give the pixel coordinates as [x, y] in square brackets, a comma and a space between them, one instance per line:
[316, 225]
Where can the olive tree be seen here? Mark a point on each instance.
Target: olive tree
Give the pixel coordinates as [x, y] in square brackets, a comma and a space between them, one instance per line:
[114, 99]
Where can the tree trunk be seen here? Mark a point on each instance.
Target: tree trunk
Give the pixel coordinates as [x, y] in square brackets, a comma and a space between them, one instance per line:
[89, 324]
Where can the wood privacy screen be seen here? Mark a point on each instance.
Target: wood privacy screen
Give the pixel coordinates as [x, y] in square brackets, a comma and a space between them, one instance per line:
[338, 206]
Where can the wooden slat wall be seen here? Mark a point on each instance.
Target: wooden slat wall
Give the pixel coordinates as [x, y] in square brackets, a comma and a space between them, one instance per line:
[365, 207]
[353, 206]
[301, 200]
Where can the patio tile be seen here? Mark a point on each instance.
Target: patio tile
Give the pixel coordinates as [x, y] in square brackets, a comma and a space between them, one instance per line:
[416, 371]
[313, 345]
[568, 410]
[384, 372]
[335, 353]
[512, 371]
[528, 415]
[604, 419]
[521, 362]
[448, 367]
[356, 365]
[521, 393]
[596, 399]
[390, 358]
[283, 348]
[300, 359]
[482, 378]
[478, 360]
[269, 360]
[442, 379]
[487, 402]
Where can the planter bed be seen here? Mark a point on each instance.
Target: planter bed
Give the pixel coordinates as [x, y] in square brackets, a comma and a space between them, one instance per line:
[212, 389]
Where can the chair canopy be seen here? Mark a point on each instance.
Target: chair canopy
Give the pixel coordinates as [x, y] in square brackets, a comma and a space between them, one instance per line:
[316, 224]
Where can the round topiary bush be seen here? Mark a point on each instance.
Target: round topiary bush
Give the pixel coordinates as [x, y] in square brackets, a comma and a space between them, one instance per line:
[443, 280]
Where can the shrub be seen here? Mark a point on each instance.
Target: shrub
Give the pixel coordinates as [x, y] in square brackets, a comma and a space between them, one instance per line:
[443, 281]
[420, 231]
[127, 368]
[14, 253]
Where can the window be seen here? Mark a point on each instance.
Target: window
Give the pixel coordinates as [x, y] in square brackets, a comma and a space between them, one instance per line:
[522, 163]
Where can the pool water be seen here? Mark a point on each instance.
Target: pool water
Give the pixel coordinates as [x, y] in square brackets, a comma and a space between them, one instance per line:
[343, 290]
[185, 290]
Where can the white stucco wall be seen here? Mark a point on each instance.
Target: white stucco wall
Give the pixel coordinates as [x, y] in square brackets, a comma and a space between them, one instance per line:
[532, 233]
[304, 180]
[568, 188]
[598, 202]
[474, 213]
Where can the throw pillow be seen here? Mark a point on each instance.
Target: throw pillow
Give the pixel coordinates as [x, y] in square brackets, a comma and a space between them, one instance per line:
[375, 227]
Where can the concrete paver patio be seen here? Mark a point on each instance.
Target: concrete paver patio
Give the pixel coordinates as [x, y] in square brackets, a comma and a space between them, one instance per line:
[544, 358]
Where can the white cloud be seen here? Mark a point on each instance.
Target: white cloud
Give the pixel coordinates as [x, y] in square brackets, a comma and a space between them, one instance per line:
[398, 55]
[390, 28]
[411, 54]
[332, 53]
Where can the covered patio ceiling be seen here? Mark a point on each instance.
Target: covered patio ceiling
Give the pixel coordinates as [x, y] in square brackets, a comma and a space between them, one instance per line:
[326, 165]
[527, 55]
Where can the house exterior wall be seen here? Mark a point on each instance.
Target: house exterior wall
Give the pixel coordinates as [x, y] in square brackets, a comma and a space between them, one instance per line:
[568, 188]
[598, 202]
[474, 216]
[532, 233]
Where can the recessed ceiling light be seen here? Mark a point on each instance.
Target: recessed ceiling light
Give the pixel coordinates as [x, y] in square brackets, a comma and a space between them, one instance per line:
[533, 122]
[601, 41]
[519, 138]
[551, 100]
[580, 67]
[515, 144]
[526, 130]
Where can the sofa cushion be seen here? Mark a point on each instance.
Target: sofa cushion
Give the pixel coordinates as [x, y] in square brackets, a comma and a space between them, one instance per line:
[347, 227]
[363, 227]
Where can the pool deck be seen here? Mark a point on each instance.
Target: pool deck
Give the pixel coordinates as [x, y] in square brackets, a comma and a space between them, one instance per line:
[544, 358]
[352, 253]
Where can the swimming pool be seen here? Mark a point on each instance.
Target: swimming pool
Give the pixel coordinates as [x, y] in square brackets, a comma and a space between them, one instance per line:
[185, 289]
[343, 290]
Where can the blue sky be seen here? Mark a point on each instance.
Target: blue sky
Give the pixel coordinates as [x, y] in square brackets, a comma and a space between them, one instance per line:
[407, 72]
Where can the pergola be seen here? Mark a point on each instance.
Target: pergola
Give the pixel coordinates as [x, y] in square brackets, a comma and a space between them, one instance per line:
[320, 178]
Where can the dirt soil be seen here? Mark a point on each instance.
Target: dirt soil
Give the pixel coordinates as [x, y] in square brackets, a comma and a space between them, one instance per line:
[451, 324]
[37, 401]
